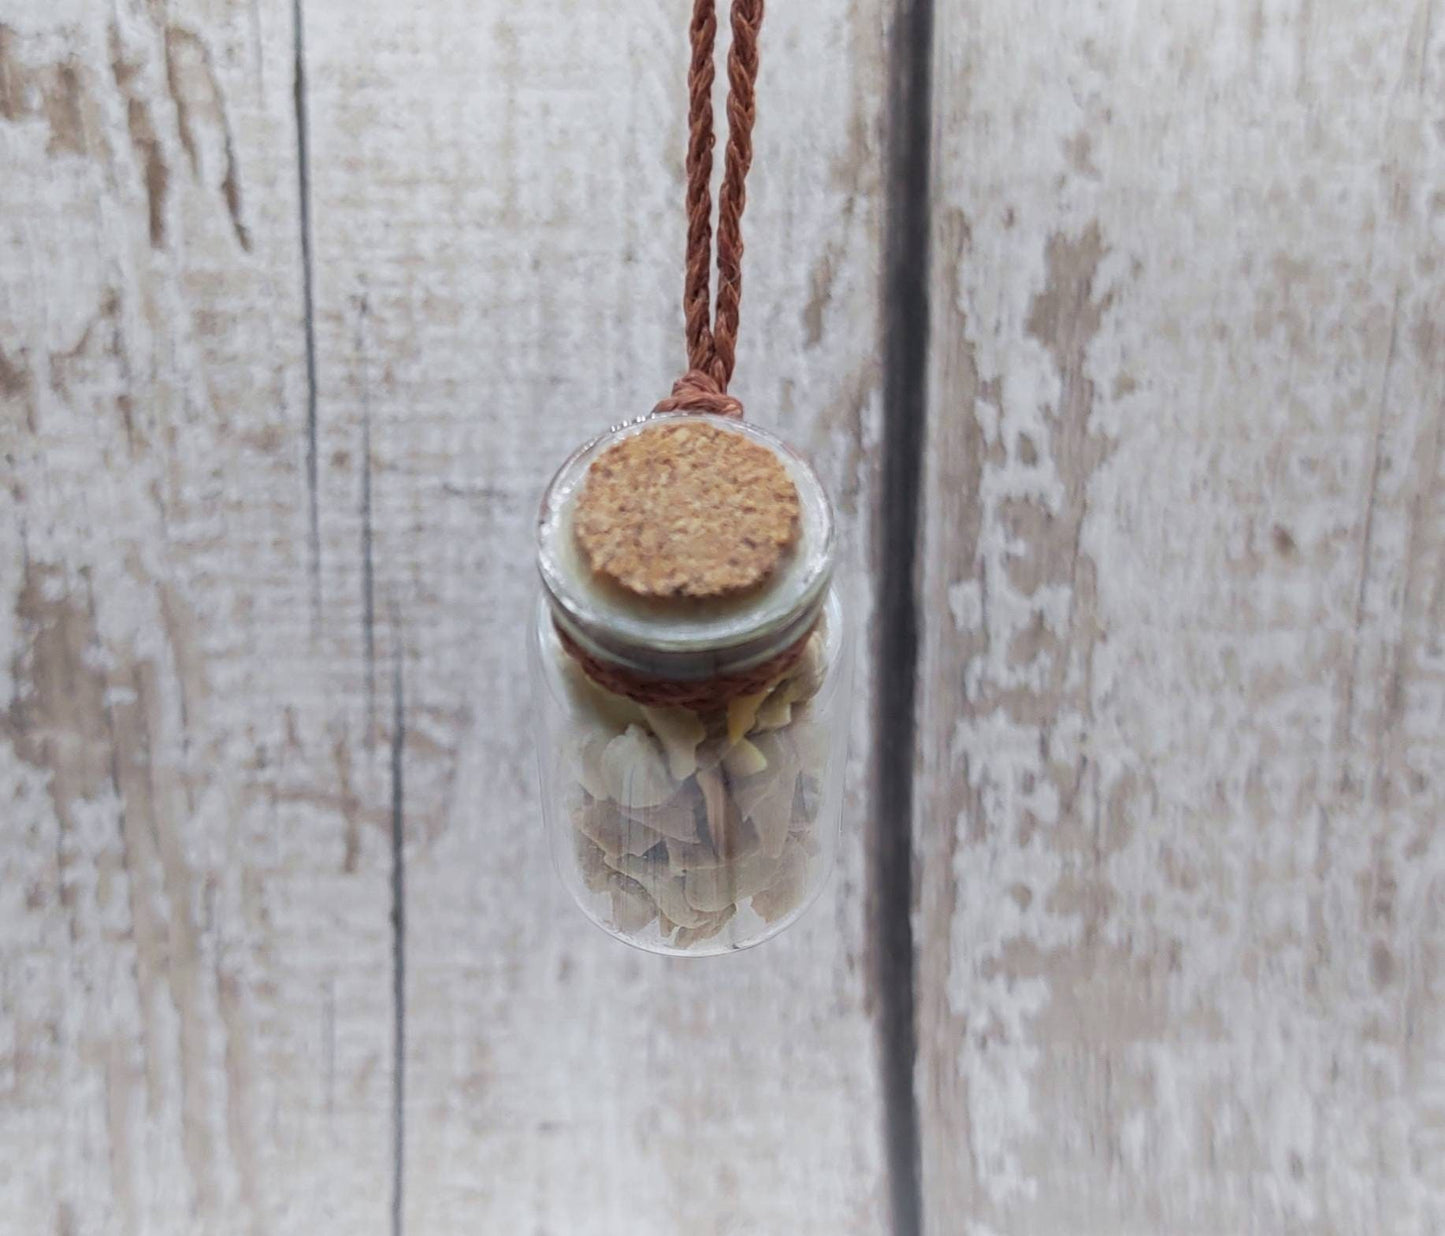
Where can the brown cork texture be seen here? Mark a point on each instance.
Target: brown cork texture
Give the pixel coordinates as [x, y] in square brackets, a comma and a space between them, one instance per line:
[687, 510]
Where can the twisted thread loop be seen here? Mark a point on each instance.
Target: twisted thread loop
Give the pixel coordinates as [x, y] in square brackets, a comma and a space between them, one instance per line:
[697, 391]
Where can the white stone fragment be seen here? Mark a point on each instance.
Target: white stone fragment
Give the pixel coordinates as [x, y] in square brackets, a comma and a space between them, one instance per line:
[680, 730]
[742, 712]
[688, 937]
[663, 887]
[632, 908]
[634, 770]
[786, 891]
[719, 887]
[614, 833]
[745, 760]
[677, 818]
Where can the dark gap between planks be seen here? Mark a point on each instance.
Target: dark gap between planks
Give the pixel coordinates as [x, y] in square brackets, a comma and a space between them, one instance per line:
[905, 392]
[398, 936]
[308, 294]
[398, 733]
[905, 349]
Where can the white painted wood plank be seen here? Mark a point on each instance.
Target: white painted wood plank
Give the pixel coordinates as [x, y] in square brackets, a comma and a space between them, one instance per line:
[1182, 876]
[498, 215]
[193, 891]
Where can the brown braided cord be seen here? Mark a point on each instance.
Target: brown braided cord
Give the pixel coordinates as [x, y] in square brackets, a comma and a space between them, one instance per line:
[705, 695]
[712, 334]
[742, 110]
[697, 288]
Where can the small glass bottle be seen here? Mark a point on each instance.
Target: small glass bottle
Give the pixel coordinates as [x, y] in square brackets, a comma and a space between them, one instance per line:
[691, 749]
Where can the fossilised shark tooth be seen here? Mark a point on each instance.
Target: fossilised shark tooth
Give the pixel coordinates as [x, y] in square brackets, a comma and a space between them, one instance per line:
[677, 818]
[766, 798]
[592, 863]
[632, 908]
[680, 731]
[745, 760]
[786, 891]
[767, 803]
[634, 770]
[715, 889]
[777, 709]
[710, 752]
[613, 832]
[742, 712]
[687, 937]
[729, 837]
[665, 889]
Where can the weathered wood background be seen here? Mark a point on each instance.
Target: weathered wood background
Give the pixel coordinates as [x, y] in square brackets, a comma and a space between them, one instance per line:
[301, 301]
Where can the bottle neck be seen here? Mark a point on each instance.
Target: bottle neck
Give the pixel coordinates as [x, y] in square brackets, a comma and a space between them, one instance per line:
[608, 653]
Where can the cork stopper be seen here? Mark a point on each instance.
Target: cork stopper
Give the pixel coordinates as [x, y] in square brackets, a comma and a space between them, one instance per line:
[686, 510]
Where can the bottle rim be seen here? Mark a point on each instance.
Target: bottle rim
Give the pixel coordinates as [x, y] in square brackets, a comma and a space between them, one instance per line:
[666, 640]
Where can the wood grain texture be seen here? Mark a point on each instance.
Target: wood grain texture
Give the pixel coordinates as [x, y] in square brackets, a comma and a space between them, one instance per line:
[498, 234]
[193, 866]
[294, 323]
[295, 320]
[1182, 881]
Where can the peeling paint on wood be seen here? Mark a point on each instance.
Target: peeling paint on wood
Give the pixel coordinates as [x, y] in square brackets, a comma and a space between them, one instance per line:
[1180, 761]
[498, 272]
[300, 303]
[274, 993]
[190, 891]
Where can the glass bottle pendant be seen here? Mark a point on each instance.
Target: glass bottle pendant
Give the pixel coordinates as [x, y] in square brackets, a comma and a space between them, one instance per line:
[691, 670]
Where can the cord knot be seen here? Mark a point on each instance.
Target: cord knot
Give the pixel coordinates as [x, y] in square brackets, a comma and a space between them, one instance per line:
[698, 391]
